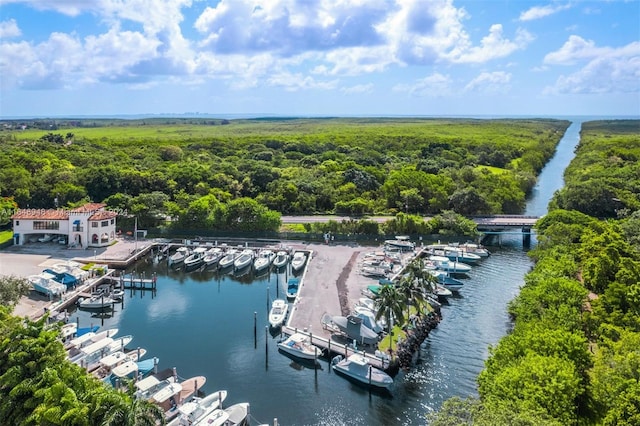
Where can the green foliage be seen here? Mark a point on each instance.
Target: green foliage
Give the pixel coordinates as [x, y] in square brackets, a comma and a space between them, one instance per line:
[12, 288]
[8, 206]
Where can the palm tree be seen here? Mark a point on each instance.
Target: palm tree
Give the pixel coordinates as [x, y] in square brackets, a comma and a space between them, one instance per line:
[424, 280]
[134, 412]
[390, 303]
[412, 293]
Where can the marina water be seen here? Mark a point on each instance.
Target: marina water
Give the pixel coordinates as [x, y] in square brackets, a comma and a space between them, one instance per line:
[202, 323]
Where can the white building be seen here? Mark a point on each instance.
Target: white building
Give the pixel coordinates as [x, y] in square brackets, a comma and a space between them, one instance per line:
[86, 226]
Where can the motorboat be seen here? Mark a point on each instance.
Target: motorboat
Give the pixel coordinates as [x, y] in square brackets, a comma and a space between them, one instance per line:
[473, 248]
[264, 260]
[196, 258]
[352, 327]
[367, 303]
[281, 260]
[92, 353]
[441, 291]
[298, 261]
[47, 286]
[132, 369]
[368, 319]
[96, 302]
[213, 256]
[292, 288]
[243, 260]
[278, 312]
[202, 411]
[445, 264]
[299, 345]
[446, 280]
[117, 294]
[179, 256]
[373, 271]
[457, 254]
[401, 243]
[359, 368]
[45, 238]
[228, 259]
[63, 277]
[237, 413]
[107, 363]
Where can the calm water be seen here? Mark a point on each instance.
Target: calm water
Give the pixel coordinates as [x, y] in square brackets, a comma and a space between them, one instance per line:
[202, 323]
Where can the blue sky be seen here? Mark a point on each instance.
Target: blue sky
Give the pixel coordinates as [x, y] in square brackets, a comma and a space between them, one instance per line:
[319, 57]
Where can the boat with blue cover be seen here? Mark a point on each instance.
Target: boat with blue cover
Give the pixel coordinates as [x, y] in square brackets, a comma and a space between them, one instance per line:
[292, 288]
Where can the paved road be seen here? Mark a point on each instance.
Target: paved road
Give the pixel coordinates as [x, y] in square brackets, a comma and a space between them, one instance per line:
[492, 221]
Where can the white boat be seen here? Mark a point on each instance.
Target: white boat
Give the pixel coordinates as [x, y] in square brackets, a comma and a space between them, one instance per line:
[96, 302]
[179, 256]
[458, 255]
[299, 345]
[368, 319]
[278, 312]
[401, 243]
[237, 413]
[263, 260]
[228, 259]
[117, 294]
[45, 238]
[282, 258]
[196, 258]
[202, 411]
[298, 260]
[473, 248]
[367, 303]
[293, 286]
[446, 280]
[244, 260]
[213, 256]
[46, 285]
[358, 367]
[445, 264]
[441, 291]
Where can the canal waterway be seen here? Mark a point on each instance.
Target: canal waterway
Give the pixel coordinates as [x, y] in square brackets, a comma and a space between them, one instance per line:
[202, 323]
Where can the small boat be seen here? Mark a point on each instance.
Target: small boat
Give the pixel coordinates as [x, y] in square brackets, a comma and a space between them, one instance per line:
[238, 414]
[299, 345]
[201, 411]
[298, 260]
[473, 248]
[352, 327]
[368, 319]
[373, 271]
[458, 255]
[179, 256]
[45, 238]
[446, 280]
[47, 286]
[243, 260]
[401, 243]
[263, 260]
[358, 367]
[96, 302]
[367, 303]
[445, 264]
[281, 260]
[213, 256]
[292, 288]
[278, 312]
[441, 291]
[117, 294]
[228, 259]
[196, 258]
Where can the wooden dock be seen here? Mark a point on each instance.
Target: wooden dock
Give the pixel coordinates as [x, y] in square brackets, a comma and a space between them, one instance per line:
[332, 347]
[137, 283]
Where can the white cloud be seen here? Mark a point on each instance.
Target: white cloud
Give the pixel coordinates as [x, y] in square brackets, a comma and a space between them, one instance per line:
[493, 46]
[575, 49]
[358, 88]
[434, 85]
[66, 7]
[294, 82]
[490, 82]
[538, 12]
[9, 29]
[610, 71]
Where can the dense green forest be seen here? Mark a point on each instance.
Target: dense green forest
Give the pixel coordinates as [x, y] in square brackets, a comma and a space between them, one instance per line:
[573, 357]
[207, 173]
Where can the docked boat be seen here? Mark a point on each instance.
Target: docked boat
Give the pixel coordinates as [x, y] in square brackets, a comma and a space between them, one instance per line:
[108, 363]
[213, 256]
[132, 369]
[228, 259]
[278, 312]
[298, 261]
[196, 258]
[299, 345]
[445, 264]
[263, 260]
[446, 280]
[237, 413]
[367, 303]
[292, 288]
[46, 285]
[473, 248]
[281, 260]
[117, 294]
[352, 327]
[373, 271]
[96, 302]
[243, 260]
[401, 243]
[179, 256]
[358, 367]
[201, 411]
[368, 319]
[441, 291]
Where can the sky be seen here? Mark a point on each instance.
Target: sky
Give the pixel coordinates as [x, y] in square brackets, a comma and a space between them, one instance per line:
[65, 58]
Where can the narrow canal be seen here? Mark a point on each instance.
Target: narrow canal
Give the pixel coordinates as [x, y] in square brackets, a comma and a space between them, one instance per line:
[202, 323]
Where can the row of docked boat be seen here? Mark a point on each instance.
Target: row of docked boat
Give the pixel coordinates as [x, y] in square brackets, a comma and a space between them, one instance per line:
[57, 279]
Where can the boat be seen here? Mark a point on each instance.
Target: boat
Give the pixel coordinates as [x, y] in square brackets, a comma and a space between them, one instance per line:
[367, 303]
[358, 367]
[62, 277]
[96, 302]
[228, 259]
[117, 294]
[401, 243]
[47, 286]
[237, 413]
[446, 280]
[179, 256]
[473, 248]
[243, 260]
[278, 312]
[441, 291]
[213, 256]
[202, 411]
[45, 238]
[368, 319]
[445, 264]
[196, 258]
[292, 288]
[373, 271]
[298, 261]
[115, 359]
[281, 259]
[352, 327]
[299, 345]
[132, 369]
[263, 260]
